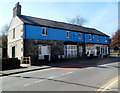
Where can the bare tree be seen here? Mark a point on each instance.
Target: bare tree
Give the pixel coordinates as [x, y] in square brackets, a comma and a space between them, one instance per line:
[4, 29]
[77, 20]
[3, 37]
[3, 40]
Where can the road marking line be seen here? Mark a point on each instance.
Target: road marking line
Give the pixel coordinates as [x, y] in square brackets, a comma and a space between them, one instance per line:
[51, 77]
[109, 84]
[47, 78]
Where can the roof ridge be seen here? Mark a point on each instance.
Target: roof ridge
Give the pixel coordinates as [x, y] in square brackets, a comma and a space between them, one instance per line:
[53, 21]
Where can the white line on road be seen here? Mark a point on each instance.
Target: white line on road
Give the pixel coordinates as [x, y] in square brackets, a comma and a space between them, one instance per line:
[47, 78]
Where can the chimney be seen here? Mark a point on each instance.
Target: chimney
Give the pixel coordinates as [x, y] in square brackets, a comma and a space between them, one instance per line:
[17, 10]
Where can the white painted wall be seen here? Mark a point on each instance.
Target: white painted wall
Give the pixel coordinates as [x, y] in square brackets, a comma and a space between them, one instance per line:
[18, 40]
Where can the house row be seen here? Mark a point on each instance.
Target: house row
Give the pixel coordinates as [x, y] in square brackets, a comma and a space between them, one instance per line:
[38, 38]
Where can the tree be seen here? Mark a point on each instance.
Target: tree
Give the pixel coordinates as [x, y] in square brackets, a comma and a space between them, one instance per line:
[3, 38]
[4, 31]
[115, 41]
[77, 20]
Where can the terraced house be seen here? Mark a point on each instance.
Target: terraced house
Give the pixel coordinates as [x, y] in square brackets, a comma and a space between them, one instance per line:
[38, 38]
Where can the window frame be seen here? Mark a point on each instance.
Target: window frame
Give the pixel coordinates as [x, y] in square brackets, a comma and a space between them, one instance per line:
[98, 38]
[90, 37]
[80, 35]
[70, 51]
[68, 34]
[105, 39]
[45, 30]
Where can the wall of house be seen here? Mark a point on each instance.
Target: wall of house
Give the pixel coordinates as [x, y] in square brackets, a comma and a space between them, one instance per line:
[35, 32]
[94, 39]
[32, 48]
[18, 40]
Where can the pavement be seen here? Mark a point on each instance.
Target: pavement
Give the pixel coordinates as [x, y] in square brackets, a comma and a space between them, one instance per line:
[83, 63]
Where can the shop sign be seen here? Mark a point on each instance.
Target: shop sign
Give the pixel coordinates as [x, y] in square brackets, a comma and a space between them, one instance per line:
[105, 46]
[89, 44]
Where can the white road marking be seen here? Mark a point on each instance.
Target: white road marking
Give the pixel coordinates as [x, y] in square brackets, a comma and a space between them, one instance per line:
[51, 77]
[47, 78]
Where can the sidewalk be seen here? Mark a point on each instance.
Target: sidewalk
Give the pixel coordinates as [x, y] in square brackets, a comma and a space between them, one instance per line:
[90, 62]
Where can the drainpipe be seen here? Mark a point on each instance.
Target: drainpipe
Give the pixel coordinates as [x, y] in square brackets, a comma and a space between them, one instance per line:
[84, 49]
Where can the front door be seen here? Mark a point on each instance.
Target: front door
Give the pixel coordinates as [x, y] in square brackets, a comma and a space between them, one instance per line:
[13, 52]
[44, 50]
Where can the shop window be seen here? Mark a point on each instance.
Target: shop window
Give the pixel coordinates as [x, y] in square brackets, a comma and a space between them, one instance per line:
[80, 50]
[68, 34]
[80, 35]
[90, 37]
[44, 31]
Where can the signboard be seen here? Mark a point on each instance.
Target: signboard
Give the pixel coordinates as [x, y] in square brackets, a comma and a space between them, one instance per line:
[89, 44]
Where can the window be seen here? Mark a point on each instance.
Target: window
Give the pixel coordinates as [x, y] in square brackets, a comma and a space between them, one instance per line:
[90, 37]
[68, 34]
[98, 38]
[80, 35]
[44, 31]
[105, 39]
[13, 33]
[70, 51]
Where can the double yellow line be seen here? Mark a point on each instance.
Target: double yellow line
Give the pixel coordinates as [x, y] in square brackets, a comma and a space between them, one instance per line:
[108, 85]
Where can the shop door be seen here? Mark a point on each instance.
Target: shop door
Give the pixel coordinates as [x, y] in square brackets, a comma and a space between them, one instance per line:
[102, 50]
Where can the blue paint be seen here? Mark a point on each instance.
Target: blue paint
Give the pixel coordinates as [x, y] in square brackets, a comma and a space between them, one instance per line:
[35, 32]
[94, 40]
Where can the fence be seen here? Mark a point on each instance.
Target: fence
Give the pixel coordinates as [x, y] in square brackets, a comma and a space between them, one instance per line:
[25, 60]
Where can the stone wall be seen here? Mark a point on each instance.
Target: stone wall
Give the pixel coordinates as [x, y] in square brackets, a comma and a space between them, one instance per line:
[57, 48]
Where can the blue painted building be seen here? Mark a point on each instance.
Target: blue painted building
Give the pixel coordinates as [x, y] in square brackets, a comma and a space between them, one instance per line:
[46, 39]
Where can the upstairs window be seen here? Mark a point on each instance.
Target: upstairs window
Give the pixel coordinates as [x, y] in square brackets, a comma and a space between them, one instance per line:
[105, 39]
[90, 37]
[68, 34]
[44, 31]
[98, 38]
[80, 35]
[13, 33]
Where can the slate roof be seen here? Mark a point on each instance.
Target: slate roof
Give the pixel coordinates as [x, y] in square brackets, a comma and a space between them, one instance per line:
[61, 25]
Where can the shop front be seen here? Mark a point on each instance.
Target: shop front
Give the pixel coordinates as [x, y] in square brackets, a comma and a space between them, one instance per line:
[96, 49]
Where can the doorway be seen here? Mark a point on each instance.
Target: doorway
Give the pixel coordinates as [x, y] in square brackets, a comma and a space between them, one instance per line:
[13, 51]
[43, 52]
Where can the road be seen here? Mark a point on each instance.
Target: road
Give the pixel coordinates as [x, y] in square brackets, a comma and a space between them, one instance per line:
[70, 78]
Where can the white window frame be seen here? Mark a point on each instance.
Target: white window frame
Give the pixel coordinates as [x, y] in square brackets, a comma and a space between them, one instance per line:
[98, 38]
[80, 35]
[68, 34]
[70, 51]
[45, 29]
[90, 37]
[105, 39]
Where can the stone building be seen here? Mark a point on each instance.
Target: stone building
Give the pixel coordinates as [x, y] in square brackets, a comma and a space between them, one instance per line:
[40, 38]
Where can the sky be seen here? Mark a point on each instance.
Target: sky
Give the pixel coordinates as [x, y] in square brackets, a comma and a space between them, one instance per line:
[102, 16]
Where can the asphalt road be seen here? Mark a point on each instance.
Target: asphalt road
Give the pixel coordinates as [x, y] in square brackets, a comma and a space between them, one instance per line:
[71, 78]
